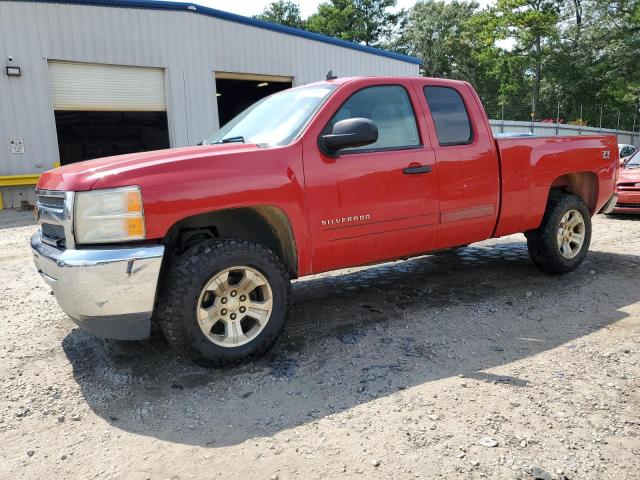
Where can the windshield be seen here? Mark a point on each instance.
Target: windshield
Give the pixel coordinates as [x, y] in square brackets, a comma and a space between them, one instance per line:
[633, 162]
[274, 120]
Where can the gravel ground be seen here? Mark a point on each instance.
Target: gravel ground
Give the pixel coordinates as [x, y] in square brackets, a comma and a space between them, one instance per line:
[467, 364]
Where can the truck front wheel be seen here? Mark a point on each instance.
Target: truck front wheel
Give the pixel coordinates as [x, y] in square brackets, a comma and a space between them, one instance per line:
[561, 242]
[224, 302]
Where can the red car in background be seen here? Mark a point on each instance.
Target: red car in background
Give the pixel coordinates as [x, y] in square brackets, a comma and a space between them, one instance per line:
[628, 188]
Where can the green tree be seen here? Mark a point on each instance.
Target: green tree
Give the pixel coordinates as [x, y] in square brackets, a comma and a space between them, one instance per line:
[594, 63]
[370, 22]
[436, 32]
[283, 12]
[535, 55]
[456, 40]
[533, 26]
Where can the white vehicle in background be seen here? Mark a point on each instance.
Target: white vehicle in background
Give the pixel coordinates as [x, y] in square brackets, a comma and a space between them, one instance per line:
[626, 151]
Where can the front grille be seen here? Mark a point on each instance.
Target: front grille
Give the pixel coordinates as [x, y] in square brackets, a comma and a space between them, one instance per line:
[629, 186]
[53, 216]
[54, 232]
[51, 202]
[628, 205]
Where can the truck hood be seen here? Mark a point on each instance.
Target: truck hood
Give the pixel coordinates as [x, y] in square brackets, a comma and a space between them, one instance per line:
[83, 176]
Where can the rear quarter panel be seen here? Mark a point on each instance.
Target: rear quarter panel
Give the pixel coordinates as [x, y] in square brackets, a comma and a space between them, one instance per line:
[529, 167]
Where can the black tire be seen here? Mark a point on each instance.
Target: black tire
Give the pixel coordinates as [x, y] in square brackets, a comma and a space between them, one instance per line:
[184, 283]
[543, 243]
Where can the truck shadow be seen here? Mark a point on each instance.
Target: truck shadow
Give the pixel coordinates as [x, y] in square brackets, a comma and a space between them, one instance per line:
[625, 216]
[359, 336]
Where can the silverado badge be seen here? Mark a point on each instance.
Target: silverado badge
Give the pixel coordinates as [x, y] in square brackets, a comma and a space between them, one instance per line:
[336, 221]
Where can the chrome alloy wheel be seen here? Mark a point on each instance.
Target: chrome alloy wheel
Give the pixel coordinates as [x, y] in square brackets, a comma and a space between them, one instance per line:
[234, 306]
[571, 233]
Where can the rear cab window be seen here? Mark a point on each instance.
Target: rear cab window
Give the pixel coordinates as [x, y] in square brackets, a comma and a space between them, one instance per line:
[450, 116]
[389, 107]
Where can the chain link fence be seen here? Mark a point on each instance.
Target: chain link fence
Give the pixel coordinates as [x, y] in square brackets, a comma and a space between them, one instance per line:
[562, 113]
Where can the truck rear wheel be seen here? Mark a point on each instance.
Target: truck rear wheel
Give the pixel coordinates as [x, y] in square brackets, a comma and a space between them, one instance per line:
[224, 302]
[561, 242]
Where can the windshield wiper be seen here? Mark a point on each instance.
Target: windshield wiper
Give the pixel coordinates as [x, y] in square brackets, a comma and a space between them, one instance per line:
[237, 139]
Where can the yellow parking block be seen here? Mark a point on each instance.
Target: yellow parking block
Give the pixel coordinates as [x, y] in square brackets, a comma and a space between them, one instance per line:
[17, 181]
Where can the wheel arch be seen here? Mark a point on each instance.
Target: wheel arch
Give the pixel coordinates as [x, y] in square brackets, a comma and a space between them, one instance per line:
[264, 224]
[581, 184]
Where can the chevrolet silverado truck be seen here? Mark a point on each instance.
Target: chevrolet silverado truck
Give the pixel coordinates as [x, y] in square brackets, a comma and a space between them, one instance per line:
[202, 242]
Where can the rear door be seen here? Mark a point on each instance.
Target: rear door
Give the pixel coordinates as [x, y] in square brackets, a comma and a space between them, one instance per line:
[374, 202]
[468, 171]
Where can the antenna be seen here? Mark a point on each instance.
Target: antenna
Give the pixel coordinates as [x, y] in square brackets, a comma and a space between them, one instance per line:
[330, 75]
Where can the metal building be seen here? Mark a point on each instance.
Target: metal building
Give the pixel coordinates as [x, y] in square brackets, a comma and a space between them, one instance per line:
[91, 78]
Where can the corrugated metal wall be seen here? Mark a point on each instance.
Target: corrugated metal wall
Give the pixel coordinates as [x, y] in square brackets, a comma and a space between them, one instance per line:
[551, 129]
[188, 46]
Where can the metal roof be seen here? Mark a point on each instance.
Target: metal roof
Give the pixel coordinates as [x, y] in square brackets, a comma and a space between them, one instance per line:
[232, 17]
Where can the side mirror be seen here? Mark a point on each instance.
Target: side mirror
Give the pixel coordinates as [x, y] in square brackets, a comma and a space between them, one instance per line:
[349, 133]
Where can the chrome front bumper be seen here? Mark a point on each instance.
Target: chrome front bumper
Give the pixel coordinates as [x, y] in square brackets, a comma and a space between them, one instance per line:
[109, 292]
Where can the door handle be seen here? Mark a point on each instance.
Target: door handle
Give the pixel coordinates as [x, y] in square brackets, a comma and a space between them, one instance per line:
[417, 170]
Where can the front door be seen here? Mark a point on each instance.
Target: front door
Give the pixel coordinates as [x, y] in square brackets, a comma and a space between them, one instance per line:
[378, 201]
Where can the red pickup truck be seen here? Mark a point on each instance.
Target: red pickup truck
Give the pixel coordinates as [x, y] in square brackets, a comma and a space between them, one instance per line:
[203, 241]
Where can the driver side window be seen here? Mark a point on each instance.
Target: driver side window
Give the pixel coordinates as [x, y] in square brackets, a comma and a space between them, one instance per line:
[389, 107]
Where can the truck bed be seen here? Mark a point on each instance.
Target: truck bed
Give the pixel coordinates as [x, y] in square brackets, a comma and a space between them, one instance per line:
[529, 167]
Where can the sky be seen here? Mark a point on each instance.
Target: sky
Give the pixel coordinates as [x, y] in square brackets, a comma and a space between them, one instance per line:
[253, 7]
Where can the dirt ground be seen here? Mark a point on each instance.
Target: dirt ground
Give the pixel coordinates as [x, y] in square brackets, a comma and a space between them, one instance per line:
[468, 364]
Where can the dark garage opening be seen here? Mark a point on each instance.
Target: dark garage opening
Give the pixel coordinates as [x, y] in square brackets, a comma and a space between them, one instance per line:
[88, 135]
[236, 95]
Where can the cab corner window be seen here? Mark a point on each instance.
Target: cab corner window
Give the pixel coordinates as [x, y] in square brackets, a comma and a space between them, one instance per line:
[389, 107]
[449, 116]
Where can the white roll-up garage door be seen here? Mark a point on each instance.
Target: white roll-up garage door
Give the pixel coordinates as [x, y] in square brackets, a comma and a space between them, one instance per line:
[113, 88]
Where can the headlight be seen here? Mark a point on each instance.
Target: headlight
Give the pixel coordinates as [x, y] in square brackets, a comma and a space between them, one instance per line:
[109, 215]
